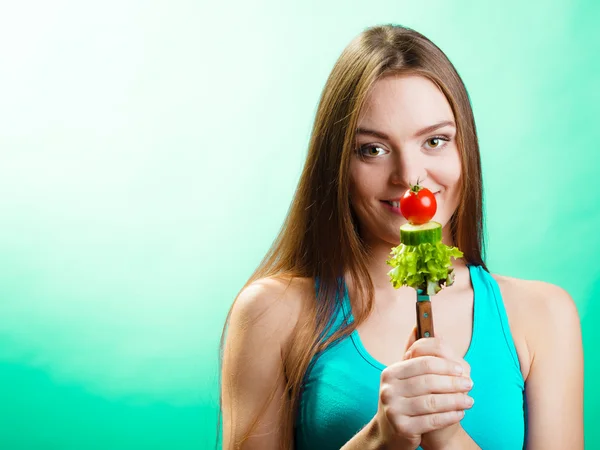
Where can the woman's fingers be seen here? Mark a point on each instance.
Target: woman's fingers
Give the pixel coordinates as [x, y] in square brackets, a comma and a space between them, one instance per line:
[431, 422]
[430, 346]
[433, 384]
[435, 347]
[411, 339]
[427, 375]
[436, 403]
[424, 364]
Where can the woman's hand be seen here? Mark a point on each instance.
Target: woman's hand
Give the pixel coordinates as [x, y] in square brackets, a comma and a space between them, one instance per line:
[436, 347]
[423, 397]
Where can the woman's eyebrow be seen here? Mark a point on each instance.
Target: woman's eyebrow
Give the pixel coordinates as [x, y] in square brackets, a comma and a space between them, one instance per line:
[426, 130]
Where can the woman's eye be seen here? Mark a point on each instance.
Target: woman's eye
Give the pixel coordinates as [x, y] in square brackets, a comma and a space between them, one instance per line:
[371, 150]
[437, 142]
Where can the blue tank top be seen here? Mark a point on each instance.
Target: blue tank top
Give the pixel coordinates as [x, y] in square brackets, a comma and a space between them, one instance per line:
[340, 393]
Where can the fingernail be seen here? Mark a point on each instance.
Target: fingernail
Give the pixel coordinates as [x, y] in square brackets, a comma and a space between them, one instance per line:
[458, 369]
[467, 382]
[470, 400]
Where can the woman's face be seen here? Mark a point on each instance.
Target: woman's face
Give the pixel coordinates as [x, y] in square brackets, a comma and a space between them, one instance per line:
[399, 141]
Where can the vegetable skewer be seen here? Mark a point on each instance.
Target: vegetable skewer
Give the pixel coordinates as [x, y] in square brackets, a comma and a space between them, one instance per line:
[422, 261]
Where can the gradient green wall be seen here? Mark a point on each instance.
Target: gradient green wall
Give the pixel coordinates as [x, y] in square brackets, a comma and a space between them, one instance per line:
[149, 152]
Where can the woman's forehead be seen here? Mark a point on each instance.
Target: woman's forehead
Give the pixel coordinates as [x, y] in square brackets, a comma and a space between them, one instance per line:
[407, 101]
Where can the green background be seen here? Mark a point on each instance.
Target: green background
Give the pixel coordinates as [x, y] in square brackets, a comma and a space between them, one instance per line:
[149, 152]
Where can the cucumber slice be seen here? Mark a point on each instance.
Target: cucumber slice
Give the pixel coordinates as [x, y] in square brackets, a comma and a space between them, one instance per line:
[430, 232]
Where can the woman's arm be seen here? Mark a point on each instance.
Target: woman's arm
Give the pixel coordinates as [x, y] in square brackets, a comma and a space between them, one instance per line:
[554, 386]
[260, 328]
[261, 321]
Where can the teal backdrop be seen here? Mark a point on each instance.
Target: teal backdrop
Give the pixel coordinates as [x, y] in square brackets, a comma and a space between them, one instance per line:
[148, 154]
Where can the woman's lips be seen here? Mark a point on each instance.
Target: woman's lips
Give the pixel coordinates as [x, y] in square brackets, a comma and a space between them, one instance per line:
[393, 209]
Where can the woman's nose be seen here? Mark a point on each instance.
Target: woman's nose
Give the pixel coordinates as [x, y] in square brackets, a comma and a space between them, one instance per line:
[407, 170]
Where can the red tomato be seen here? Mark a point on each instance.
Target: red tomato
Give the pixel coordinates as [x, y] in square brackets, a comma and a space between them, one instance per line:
[418, 205]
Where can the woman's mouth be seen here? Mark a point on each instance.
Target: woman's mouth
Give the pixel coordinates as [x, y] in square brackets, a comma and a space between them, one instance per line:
[394, 205]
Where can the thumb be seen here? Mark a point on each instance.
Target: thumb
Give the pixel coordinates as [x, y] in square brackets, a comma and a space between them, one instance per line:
[411, 340]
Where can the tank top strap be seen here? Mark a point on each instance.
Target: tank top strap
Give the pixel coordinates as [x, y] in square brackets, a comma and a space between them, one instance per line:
[493, 327]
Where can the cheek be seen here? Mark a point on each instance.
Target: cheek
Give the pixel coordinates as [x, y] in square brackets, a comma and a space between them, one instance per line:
[357, 183]
[450, 178]
[450, 171]
[365, 180]
[363, 191]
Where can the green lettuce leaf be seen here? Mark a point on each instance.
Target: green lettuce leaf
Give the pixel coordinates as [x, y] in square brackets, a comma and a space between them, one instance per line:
[425, 266]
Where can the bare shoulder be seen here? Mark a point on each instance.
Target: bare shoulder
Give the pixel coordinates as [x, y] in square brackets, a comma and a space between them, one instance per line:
[537, 311]
[272, 304]
[537, 297]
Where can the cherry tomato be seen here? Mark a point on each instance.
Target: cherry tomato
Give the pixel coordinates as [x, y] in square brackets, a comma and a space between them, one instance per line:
[418, 205]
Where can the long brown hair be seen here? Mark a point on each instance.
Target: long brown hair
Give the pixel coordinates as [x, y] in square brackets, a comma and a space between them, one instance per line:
[319, 238]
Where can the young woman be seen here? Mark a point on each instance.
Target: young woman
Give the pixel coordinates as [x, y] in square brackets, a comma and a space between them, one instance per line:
[320, 349]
